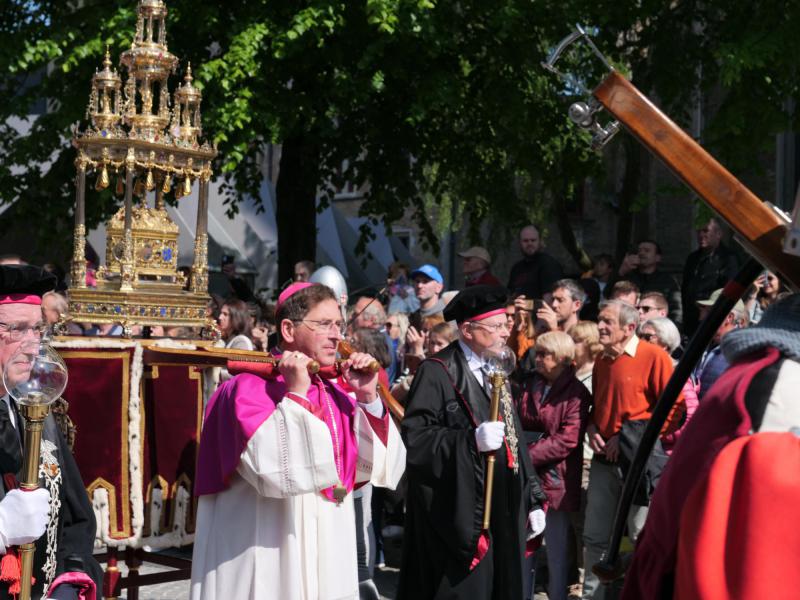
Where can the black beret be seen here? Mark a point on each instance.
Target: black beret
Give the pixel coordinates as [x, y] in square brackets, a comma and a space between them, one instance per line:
[25, 280]
[476, 301]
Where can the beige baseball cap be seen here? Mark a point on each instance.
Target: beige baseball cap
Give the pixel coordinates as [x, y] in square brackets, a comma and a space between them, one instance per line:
[476, 252]
[739, 306]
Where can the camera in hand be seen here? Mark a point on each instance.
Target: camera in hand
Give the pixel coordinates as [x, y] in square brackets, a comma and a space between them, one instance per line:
[533, 304]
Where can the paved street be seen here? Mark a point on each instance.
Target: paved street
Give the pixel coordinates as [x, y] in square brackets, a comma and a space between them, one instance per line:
[385, 579]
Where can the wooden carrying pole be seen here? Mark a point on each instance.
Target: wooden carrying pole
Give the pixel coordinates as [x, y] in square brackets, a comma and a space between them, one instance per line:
[760, 229]
[498, 381]
[397, 410]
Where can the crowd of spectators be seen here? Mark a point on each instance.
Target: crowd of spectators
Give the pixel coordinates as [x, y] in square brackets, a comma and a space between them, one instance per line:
[594, 351]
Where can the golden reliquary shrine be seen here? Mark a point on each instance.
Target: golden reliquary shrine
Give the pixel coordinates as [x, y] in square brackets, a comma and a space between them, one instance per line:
[146, 143]
[137, 404]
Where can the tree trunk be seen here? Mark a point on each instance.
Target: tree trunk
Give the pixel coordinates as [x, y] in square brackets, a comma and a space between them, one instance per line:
[296, 211]
[630, 188]
[576, 250]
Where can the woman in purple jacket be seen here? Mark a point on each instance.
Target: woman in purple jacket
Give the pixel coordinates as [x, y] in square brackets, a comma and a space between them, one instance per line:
[554, 408]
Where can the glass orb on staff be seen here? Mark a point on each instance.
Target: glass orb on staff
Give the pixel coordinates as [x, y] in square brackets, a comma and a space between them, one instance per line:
[498, 363]
[35, 376]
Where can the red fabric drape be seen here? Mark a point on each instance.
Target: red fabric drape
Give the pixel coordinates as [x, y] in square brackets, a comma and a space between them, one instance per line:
[170, 417]
[173, 407]
[98, 396]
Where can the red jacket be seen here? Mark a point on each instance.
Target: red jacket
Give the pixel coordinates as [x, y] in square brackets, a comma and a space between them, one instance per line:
[486, 278]
[682, 495]
[743, 544]
[562, 415]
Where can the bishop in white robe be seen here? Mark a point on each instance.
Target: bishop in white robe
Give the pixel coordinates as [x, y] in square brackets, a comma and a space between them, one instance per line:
[277, 467]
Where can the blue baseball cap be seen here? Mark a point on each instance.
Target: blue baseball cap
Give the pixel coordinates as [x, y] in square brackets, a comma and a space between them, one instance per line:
[430, 272]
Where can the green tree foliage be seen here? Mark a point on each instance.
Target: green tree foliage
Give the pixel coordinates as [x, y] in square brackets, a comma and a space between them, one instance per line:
[423, 101]
[730, 63]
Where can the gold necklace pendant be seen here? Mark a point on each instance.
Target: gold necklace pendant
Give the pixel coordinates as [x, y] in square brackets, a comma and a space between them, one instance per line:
[339, 492]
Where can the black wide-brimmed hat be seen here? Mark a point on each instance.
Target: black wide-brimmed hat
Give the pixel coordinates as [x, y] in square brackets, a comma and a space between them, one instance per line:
[24, 284]
[476, 302]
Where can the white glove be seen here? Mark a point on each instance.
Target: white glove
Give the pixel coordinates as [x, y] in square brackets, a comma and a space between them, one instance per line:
[23, 516]
[489, 435]
[536, 522]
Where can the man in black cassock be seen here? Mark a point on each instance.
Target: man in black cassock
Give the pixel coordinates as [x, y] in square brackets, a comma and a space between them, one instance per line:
[447, 437]
[64, 553]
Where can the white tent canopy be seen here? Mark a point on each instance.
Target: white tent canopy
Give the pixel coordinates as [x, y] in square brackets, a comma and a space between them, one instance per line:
[252, 238]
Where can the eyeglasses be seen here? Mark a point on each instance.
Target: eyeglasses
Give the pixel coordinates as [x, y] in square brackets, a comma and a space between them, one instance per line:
[646, 309]
[648, 337]
[323, 326]
[496, 328]
[388, 325]
[16, 331]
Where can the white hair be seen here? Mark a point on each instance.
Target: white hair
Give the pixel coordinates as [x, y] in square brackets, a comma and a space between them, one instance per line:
[628, 315]
[666, 331]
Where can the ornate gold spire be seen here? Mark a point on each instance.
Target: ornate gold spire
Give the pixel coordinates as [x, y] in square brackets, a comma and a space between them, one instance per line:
[149, 64]
[105, 99]
[155, 148]
[186, 126]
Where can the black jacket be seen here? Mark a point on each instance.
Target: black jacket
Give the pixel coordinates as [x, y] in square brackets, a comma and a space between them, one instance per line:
[445, 491]
[75, 528]
[703, 273]
[534, 275]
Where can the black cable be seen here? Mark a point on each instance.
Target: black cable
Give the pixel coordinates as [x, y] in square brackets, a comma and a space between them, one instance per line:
[609, 568]
[374, 298]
